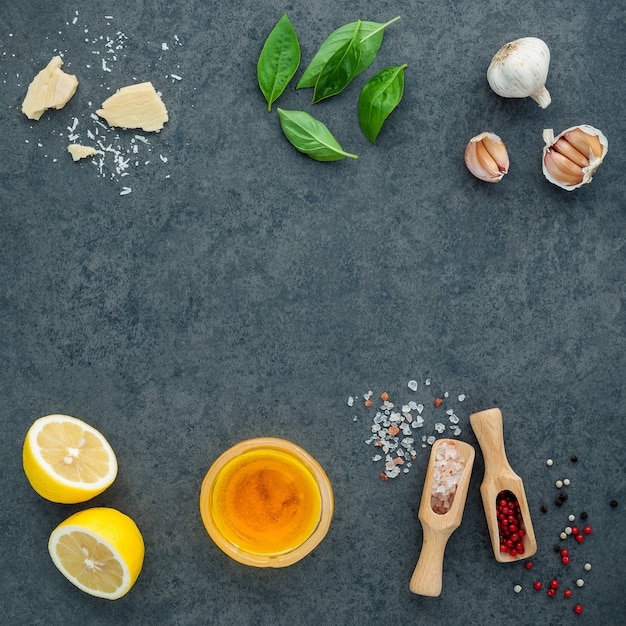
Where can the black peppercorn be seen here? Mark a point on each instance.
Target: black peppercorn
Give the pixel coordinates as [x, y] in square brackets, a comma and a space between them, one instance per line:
[544, 508]
[558, 502]
[556, 547]
[613, 503]
[563, 497]
[574, 458]
[584, 515]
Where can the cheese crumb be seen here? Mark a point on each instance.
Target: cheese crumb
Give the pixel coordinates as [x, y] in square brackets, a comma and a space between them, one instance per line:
[135, 106]
[52, 88]
[80, 152]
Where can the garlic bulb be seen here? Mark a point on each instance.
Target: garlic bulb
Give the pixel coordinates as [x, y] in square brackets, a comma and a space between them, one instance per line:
[571, 158]
[519, 70]
[486, 157]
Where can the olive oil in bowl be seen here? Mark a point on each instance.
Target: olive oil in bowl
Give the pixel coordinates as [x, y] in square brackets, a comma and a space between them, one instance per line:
[266, 502]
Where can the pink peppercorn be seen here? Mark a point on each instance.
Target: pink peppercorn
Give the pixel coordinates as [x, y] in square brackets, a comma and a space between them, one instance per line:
[580, 538]
[528, 565]
[567, 593]
[587, 530]
[551, 593]
[565, 560]
[538, 585]
[578, 609]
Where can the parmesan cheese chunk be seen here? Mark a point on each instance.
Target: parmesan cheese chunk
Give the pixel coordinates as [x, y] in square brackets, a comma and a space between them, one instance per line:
[80, 152]
[52, 88]
[135, 106]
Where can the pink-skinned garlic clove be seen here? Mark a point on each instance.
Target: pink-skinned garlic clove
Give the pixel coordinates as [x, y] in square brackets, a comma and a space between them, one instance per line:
[486, 157]
[571, 158]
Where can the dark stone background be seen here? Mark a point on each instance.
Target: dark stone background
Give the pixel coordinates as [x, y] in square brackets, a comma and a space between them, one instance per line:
[243, 289]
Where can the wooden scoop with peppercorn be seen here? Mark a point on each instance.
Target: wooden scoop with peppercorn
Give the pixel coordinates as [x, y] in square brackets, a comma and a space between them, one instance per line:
[502, 490]
[441, 510]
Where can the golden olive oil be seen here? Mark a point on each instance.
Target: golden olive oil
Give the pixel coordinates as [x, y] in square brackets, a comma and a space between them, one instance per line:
[266, 502]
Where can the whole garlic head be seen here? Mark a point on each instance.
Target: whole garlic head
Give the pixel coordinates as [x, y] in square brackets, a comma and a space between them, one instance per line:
[520, 69]
[486, 157]
[571, 158]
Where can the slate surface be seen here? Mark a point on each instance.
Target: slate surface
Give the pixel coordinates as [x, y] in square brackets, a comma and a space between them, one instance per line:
[241, 289]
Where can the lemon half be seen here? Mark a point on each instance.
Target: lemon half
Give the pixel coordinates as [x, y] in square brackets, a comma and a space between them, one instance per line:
[100, 550]
[66, 460]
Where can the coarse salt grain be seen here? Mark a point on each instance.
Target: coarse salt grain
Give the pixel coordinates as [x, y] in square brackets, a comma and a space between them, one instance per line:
[412, 385]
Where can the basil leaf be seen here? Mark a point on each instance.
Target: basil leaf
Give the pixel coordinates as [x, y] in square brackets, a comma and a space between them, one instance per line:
[340, 69]
[311, 137]
[380, 95]
[278, 61]
[371, 40]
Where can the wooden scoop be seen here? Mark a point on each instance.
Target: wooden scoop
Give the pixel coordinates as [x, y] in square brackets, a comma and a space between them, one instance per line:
[437, 528]
[500, 477]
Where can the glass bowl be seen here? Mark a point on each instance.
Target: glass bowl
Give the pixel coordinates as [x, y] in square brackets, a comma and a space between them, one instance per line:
[266, 502]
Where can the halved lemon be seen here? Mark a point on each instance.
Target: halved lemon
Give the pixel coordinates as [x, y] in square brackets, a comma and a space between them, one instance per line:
[100, 550]
[66, 460]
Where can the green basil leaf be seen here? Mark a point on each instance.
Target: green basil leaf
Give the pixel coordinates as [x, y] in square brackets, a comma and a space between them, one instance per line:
[340, 69]
[371, 40]
[310, 136]
[380, 95]
[278, 61]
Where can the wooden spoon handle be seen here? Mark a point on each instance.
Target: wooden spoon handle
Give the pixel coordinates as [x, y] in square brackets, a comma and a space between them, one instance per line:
[487, 426]
[427, 577]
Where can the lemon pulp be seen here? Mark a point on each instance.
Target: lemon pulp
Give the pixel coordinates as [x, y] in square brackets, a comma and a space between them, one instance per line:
[266, 502]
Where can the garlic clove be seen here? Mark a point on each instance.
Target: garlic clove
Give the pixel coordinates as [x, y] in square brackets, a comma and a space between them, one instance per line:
[564, 170]
[584, 142]
[486, 157]
[520, 69]
[571, 158]
[564, 147]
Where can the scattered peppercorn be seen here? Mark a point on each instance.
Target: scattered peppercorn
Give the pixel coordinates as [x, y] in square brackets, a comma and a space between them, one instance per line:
[538, 585]
[573, 458]
[565, 560]
[575, 530]
[580, 538]
[544, 508]
[567, 482]
[564, 552]
[558, 502]
[528, 565]
[558, 484]
[384, 396]
[567, 593]
[584, 515]
[556, 547]
[613, 503]
[438, 401]
[578, 609]
[587, 567]
[554, 584]
[551, 592]
[563, 497]
[549, 462]
[580, 582]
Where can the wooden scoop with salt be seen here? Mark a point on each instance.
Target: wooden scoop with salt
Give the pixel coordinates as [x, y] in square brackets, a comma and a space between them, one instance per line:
[501, 480]
[441, 510]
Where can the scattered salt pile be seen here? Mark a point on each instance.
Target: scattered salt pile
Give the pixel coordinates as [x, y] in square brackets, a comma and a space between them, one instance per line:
[448, 468]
